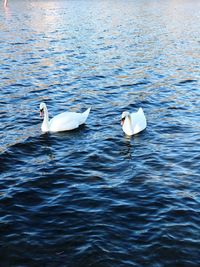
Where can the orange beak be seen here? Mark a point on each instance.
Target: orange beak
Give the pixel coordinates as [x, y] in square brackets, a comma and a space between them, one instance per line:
[41, 113]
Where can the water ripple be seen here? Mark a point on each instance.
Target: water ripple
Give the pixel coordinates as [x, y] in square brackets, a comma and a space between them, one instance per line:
[93, 196]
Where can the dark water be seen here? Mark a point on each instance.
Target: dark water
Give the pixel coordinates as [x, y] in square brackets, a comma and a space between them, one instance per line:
[94, 197]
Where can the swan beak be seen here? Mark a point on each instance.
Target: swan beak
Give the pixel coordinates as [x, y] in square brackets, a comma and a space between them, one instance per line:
[41, 113]
[122, 121]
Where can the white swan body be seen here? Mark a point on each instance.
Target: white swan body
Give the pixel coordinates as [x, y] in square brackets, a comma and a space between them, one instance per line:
[133, 123]
[65, 121]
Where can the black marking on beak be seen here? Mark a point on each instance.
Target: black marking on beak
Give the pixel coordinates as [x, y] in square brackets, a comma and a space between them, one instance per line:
[41, 112]
[122, 120]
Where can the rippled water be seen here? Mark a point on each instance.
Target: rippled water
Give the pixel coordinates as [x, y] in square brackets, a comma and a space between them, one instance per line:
[94, 197]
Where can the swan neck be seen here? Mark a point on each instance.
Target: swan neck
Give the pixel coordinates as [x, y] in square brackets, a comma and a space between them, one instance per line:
[45, 124]
[46, 114]
[129, 119]
[127, 127]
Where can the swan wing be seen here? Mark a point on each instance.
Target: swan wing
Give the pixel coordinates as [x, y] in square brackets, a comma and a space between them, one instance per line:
[67, 121]
[138, 121]
[84, 116]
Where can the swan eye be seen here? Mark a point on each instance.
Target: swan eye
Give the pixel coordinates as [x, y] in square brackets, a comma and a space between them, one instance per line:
[41, 110]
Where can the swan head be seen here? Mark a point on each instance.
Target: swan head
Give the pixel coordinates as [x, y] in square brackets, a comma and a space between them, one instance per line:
[125, 114]
[42, 108]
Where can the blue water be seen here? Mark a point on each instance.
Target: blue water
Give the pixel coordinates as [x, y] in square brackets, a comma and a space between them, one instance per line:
[94, 197]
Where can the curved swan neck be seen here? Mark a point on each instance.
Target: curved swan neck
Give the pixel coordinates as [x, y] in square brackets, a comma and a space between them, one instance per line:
[46, 113]
[45, 124]
[127, 127]
[128, 118]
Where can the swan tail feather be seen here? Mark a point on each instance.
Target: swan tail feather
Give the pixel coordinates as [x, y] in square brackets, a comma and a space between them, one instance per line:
[86, 114]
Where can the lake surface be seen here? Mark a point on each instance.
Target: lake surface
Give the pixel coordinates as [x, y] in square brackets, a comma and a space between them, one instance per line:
[95, 197]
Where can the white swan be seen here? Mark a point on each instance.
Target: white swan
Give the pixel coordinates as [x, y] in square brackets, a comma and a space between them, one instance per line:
[133, 123]
[62, 122]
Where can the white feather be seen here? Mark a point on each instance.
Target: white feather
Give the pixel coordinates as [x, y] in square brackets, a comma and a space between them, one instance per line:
[134, 123]
[64, 121]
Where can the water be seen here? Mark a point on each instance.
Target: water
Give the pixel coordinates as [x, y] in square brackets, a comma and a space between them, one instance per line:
[94, 197]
